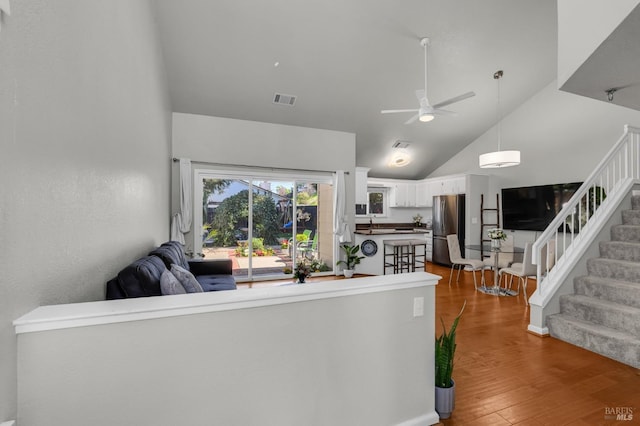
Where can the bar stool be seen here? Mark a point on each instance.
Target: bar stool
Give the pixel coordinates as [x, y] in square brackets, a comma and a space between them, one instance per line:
[419, 260]
[398, 255]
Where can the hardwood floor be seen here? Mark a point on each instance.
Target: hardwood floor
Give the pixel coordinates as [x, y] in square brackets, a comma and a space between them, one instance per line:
[507, 376]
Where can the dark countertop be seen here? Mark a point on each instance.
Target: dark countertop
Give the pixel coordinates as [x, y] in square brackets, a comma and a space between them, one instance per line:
[390, 231]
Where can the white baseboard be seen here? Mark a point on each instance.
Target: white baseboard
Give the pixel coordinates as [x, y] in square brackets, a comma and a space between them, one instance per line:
[425, 420]
[540, 331]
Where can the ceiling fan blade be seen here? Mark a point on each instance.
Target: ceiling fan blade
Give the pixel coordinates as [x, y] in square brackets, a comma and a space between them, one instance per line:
[393, 111]
[412, 119]
[454, 100]
[438, 111]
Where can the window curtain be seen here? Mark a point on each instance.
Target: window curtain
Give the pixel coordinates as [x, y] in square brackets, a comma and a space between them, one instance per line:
[341, 227]
[181, 221]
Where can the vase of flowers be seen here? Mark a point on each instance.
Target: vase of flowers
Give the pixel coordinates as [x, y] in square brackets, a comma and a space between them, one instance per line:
[417, 220]
[496, 235]
[302, 271]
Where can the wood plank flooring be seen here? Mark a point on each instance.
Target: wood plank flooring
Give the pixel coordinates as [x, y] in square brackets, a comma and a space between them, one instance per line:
[507, 376]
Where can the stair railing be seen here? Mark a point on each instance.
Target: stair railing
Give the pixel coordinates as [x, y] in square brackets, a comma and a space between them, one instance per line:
[576, 224]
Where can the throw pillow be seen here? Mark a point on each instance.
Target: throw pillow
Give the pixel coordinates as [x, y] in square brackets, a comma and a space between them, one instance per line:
[186, 278]
[169, 284]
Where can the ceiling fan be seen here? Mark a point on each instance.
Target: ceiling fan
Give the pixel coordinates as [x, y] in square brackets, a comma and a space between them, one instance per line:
[427, 112]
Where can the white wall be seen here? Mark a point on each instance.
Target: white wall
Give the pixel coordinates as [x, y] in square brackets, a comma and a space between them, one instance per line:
[582, 26]
[331, 353]
[229, 141]
[85, 134]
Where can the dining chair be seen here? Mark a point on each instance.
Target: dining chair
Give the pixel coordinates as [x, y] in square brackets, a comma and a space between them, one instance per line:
[522, 270]
[455, 256]
[505, 257]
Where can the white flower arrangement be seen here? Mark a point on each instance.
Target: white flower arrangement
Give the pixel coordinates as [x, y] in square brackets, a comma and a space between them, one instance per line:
[497, 234]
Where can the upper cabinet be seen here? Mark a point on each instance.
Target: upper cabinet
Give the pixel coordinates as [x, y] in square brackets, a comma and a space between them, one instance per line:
[410, 193]
[361, 185]
[452, 185]
[403, 194]
[424, 194]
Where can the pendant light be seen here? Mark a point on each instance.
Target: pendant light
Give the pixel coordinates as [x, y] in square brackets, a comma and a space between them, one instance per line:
[496, 159]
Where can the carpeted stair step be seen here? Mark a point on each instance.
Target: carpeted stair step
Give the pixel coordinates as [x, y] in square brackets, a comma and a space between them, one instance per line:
[620, 250]
[631, 217]
[622, 292]
[625, 233]
[635, 202]
[622, 270]
[602, 312]
[615, 344]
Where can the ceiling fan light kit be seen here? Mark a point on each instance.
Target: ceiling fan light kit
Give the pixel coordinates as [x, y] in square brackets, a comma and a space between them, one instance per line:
[426, 117]
[498, 159]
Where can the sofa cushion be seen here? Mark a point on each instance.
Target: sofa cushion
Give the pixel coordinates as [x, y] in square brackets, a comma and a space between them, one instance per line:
[186, 278]
[171, 253]
[142, 277]
[169, 284]
[216, 282]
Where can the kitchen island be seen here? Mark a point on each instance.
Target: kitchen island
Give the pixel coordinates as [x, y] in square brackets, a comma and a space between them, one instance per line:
[372, 246]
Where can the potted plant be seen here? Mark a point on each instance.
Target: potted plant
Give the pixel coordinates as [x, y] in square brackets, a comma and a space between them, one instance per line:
[417, 220]
[352, 259]
[301, 271]
[445, 349]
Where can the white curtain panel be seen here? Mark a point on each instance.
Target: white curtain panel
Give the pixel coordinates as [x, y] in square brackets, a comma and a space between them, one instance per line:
[181, 221]
[341, 230]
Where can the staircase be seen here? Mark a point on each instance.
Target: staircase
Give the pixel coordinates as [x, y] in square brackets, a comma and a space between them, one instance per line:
[603, 315]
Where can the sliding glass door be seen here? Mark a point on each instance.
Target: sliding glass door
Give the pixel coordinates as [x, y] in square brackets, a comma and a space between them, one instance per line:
[265, 224]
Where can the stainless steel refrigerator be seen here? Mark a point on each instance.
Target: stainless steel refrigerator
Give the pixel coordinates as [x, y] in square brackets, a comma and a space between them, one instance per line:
[448, 218]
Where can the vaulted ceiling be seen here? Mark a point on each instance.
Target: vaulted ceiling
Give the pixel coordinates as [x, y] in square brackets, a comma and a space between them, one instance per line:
[345, 60]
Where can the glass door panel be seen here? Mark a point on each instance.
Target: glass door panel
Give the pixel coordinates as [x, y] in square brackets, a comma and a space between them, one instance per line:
[272, 228]
[225, 225]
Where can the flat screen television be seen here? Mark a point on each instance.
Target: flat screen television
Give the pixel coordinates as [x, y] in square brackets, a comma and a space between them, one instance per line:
[532, 208]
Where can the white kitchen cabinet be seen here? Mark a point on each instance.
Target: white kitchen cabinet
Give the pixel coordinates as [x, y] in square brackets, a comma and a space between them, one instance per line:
[403, 194]
[424, 197]
[429, 248]
[448, 186]
[361, 185]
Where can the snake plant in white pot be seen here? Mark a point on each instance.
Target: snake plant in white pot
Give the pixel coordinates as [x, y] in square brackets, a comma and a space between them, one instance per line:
[445, 386]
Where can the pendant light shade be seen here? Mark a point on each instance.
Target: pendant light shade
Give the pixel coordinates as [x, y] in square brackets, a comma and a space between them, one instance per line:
[497, 159]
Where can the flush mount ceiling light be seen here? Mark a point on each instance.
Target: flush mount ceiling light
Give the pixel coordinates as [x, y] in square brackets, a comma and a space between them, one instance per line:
[400, 157]
[496, 159]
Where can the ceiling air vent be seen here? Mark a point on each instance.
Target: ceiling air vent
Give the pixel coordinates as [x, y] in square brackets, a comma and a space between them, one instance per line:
[282, 99]
[400, 144]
